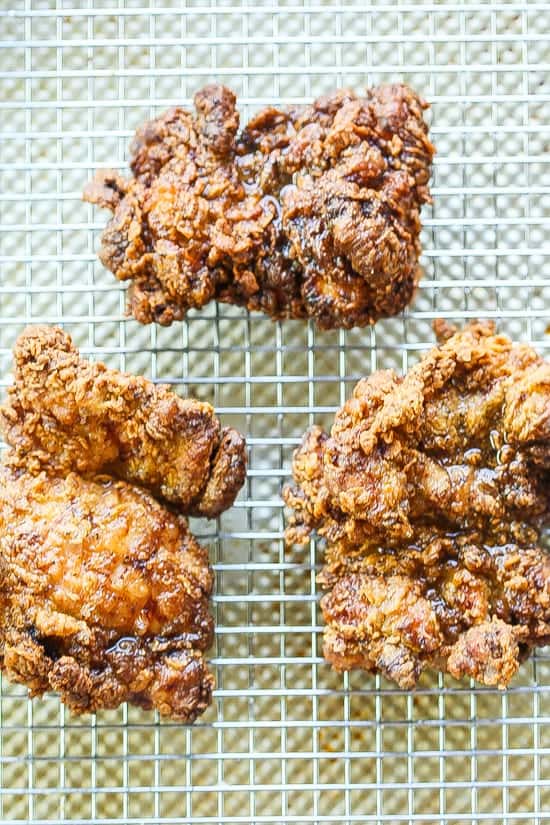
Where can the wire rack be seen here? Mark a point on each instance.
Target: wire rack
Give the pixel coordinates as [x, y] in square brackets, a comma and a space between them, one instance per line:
[286, 740]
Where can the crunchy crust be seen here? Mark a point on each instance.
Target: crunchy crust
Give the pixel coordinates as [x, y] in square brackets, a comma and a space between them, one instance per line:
[451, 603]
[309, 212]
[64, 413]
[103, 596]
[461, 441]
[431, 491]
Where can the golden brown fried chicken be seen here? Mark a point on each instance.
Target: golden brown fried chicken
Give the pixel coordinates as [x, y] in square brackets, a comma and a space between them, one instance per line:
[431, 492]
[461, 441]
[64, 413]
[309, 212]
[450, 602]
[103, 591]
[103, 596]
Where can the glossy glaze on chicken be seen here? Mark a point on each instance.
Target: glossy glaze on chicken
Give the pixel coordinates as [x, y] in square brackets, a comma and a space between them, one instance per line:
[449, 466]
[308, 212]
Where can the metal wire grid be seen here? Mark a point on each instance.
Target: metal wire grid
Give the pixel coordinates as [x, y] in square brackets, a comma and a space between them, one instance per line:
[286, 740]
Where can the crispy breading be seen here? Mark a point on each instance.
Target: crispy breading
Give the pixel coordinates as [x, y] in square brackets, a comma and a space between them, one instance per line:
[103, 596]
[461, 441]
[309, 212]
[452, 603]
[103, 590]
[431, 492]
[64, 413]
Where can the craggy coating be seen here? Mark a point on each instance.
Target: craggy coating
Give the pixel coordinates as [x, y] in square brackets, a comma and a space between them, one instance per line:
[309, 212]
[103, 596]
[451, 603]
[431, 492]
[461, 441]
[64, 413]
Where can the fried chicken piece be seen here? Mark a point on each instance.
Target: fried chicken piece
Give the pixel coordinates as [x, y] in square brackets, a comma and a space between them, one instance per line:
[309, 212]
[103, 590]
[462, 441]
[103, 596]
[452, 603]
[66, 414]
[431, 492]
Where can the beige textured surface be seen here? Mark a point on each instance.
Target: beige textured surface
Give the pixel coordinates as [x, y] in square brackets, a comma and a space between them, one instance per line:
[286, 739]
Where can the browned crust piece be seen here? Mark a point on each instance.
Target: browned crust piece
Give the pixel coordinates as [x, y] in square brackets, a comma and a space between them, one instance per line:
[64, 414]
[451, 603]
[431, 492]
[103, 596]
[309, 212]
[462, 441]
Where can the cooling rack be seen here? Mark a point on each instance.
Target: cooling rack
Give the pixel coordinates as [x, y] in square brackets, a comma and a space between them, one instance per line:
[286, 740]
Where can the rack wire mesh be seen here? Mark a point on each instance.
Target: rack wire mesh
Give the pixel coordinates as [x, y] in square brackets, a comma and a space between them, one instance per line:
[286, 740]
